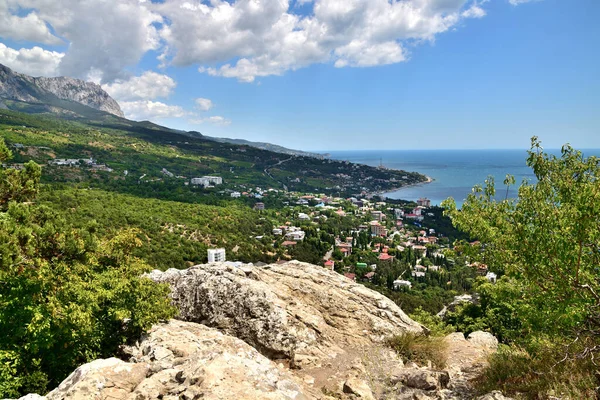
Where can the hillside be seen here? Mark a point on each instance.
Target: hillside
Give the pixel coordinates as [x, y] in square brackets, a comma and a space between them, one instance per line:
[58, 95]
[131, 151]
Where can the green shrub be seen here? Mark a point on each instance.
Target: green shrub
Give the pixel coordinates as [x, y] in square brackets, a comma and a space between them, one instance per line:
[65, 296]
[437, 327]
[539, 375]
[420, 348]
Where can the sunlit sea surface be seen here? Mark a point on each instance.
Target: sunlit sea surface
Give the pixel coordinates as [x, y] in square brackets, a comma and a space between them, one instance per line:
[454, 172]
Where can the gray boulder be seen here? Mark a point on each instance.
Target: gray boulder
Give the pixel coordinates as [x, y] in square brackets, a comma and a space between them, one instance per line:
[295, 311]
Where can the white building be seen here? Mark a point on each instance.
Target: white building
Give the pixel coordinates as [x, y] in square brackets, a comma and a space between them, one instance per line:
[296, 236]
[399, 283]
[215, 180]
[490, 276]
[216, 255]
[303, 217]
[236, 195]
[207, 181]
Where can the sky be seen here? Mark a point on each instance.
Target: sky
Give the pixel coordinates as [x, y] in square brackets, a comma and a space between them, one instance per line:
[330, 74]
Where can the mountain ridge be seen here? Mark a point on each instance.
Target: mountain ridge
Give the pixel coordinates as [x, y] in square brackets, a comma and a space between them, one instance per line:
[64, 96]
[25, 88]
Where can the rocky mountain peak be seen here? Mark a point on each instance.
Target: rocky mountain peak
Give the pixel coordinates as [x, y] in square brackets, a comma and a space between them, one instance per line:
[21, 87]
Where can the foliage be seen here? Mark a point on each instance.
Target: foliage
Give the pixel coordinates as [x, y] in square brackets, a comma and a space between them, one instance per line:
[144, 149]
[17, 185]
[65, 296]
[419, 348]
[173, 234]
[437, 327]
[540, 374]
[548, 240]
[547, 307]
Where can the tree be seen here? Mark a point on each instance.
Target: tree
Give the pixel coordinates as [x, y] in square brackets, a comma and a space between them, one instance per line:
[66, 297]
[547, 242]
[17, 185]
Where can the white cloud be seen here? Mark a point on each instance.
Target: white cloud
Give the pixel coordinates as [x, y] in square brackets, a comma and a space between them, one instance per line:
[151, 110]
[203, 104]
[35, 61]
[475, 11]
[360, 53]
[103, 36]
[242, 39]
[28, 27]
[517, 2]
[267, 38]
[215, 120]
[149, 86]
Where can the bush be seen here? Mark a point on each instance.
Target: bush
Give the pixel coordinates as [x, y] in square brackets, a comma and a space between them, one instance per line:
[539, 375]
[420, 348]
[65, 297]
[437, 327]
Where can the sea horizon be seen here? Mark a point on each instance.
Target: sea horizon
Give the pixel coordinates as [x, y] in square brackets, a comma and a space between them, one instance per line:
[454, 172]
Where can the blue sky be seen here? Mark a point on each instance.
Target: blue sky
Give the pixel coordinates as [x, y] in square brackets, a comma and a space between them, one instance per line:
[331, 74]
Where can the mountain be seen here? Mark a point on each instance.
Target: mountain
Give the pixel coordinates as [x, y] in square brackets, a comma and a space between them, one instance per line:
[65, 96]
[267, 146]
[53, 93]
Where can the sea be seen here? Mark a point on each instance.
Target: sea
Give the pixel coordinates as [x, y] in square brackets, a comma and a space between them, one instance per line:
[454, 172]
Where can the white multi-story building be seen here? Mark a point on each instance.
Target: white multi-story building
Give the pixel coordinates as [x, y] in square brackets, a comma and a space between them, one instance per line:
[215, 180]
[216, 255]
[207, 181]
[236, 195]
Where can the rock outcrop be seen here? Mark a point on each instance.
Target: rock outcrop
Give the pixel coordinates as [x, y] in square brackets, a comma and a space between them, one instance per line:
[182, 360]
[86, 93]
[21, 87]
[296, 311]
[291, 331]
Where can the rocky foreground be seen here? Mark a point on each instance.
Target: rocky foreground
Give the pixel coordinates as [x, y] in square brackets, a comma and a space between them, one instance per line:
[291, 331]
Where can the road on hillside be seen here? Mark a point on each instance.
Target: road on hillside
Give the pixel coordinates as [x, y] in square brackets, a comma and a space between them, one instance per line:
[273, 166]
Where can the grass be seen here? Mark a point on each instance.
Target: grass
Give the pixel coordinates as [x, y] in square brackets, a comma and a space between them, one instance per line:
[419, 348]
[540, 375]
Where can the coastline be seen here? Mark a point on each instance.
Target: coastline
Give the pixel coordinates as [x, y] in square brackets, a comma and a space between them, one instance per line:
[381, 192]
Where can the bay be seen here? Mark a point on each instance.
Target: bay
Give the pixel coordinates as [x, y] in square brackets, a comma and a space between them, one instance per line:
[454, 172]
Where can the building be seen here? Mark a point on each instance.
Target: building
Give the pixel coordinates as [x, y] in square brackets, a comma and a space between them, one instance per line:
[330, 264]
[377, 215]
[303, 217]
[216, 255]
[214, 180]
[491, 277]
[377, 229]
[236, 195]
[385, 257]
[207, 181]
[259, 206]
[199, 182]
[167, 173]
[400, 283]
[424, 202]
[296, 236]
